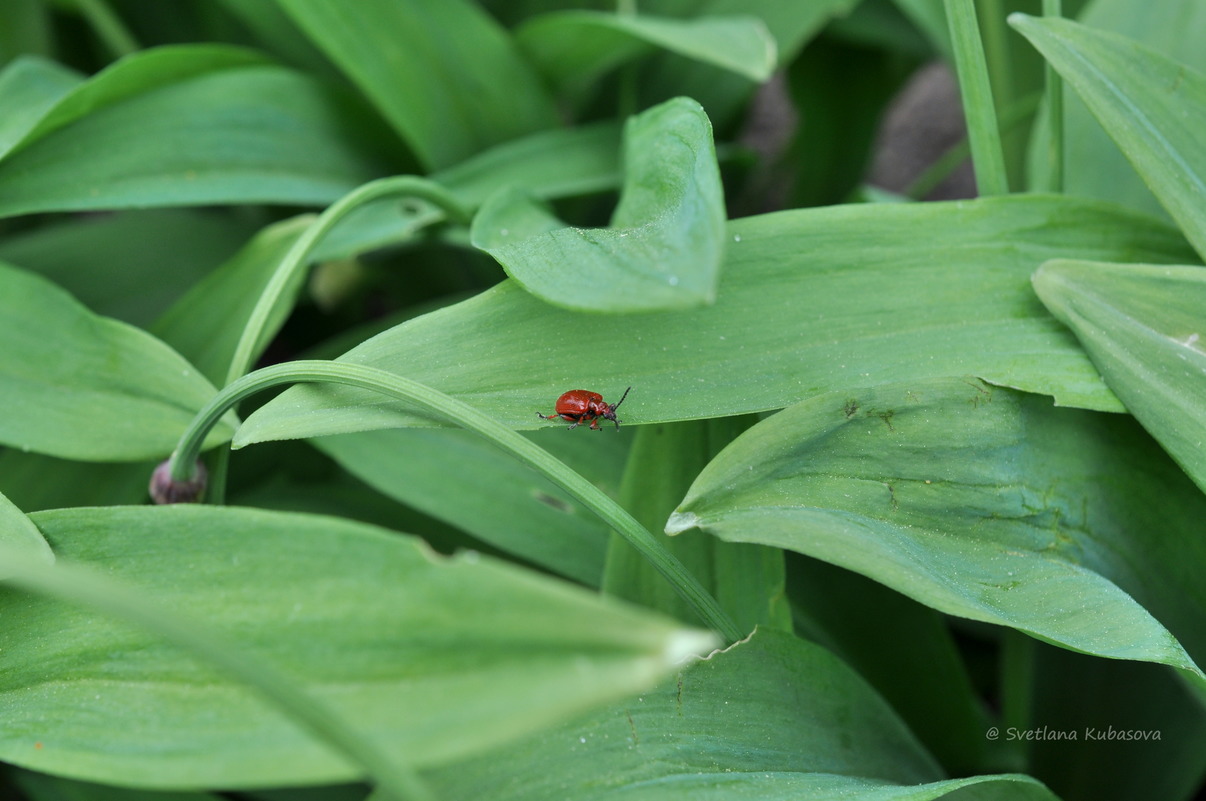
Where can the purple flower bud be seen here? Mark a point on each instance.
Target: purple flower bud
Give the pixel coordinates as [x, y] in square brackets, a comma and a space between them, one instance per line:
[164, 490]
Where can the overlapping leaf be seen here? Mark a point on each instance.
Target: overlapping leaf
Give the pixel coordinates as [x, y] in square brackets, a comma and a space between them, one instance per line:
[573, 48]
[1144, 326]
[444, 74]
[80, 386]
[810, 301]
[983, 503]
[773, 717]
[432, 658]
[190, 126]
[665, 243]
[18, 533]
[1153, 107]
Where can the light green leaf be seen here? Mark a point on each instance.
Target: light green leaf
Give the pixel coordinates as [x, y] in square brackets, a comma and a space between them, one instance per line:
[29, 88]
[548, 164]
[445, 75]
[1094, 165]
[574, 48]
[773, 717]
[205, 325]
[666, 240]
[19, 534]
[80, 386]
[1144, 326]
[432, 658]
[243, 134]
[499, 501]
[1153, 107]
[981, 503]
[810, 301]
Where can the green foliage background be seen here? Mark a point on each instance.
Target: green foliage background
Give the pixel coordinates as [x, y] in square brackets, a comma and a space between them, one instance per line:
[907, 501]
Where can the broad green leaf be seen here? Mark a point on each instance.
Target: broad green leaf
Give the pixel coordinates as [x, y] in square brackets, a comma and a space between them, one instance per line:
[1144, 326]
[1152, 106]
[666, 240]
[29, 88]
[747, 580]
[458, 477]
[982, 503]
[24, 28]
[18, 533]
[256, 134]
[445, 75]
[138, 74]
[810, 301]
[574, 48]
[80, 386]
[132, 265]
[433, 658]
[205, 325]
[773, 717]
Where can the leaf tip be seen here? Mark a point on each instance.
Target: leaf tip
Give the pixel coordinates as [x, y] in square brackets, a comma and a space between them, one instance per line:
[680, 522]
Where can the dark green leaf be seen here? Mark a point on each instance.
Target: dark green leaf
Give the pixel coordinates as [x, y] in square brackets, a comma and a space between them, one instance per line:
[132, 265]
[80, 386]
[666, 240]
[432, 658]
[443, 73]
[982, 503]
[1144, 326]
[458, 477]
[747, 580]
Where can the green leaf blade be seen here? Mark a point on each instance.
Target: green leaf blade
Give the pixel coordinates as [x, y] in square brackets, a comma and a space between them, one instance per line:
[434, 658]
[723, 728]
[1153, 107]
[80, 386]
[573, 48]
[666, 241]
[443, 73]
[981, 503]
[250, 134]
[810, 301]
[1144, 326]
[21, 535]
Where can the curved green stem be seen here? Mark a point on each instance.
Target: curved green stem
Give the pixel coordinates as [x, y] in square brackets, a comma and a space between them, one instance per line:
[444, 407]
[298, 256]
[85, 588]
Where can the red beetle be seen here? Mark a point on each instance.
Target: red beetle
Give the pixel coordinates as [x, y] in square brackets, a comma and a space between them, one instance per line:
[580, 406]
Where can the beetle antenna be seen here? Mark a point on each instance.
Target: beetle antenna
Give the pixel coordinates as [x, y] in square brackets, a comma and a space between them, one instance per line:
[621, 400]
